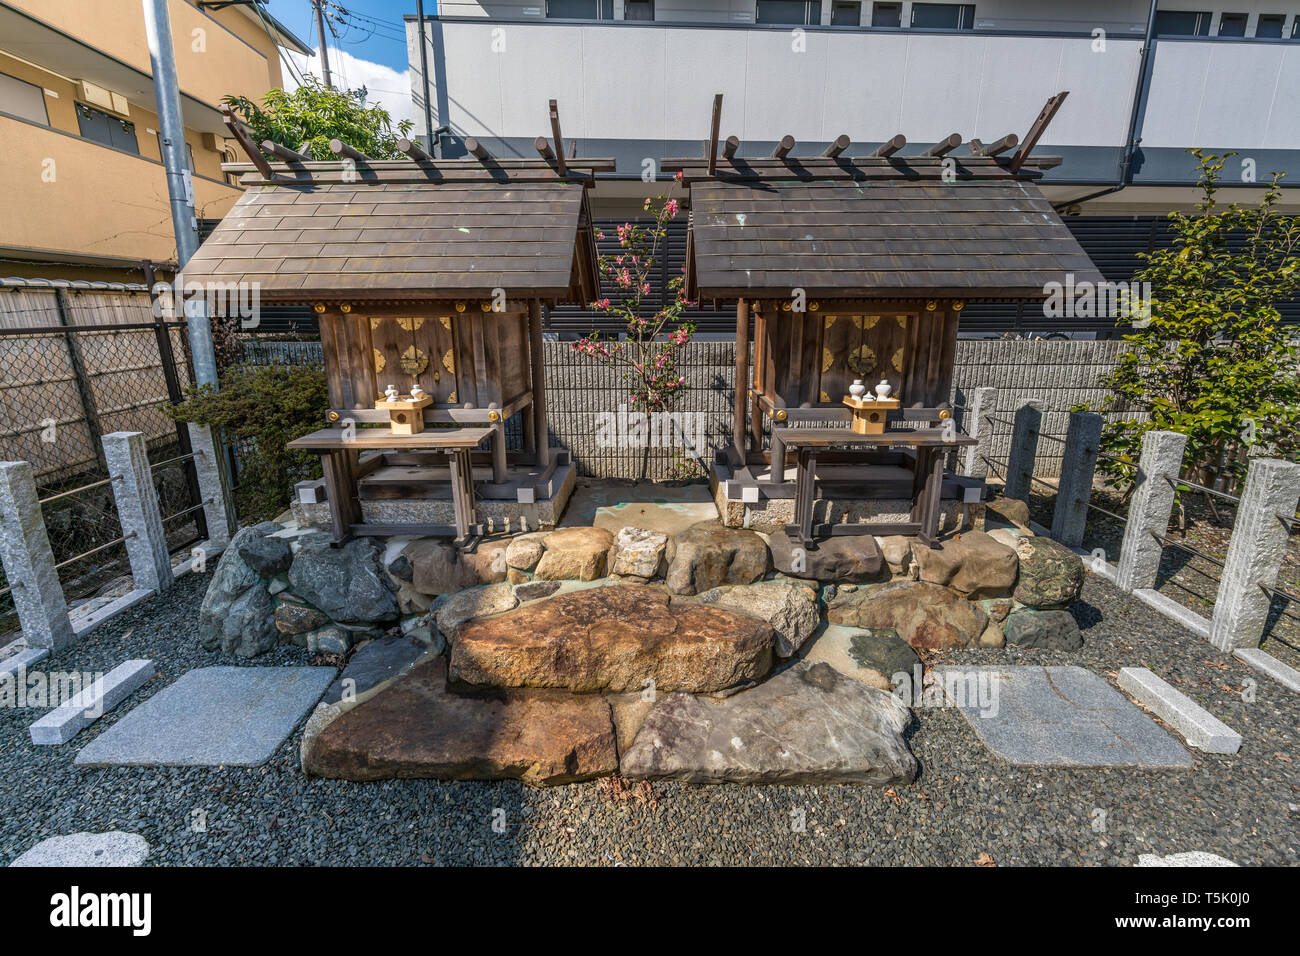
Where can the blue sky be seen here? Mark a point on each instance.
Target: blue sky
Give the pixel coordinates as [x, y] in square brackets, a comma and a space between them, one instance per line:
[370, 49]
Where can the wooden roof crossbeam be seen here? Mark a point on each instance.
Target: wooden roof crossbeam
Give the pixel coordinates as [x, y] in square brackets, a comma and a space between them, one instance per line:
[1036, 130]
[834, 149]
[413, 150]
[559, 138]
[890, 146]
[340, 148]
[1007, 142]
[714, 124]
[945, 145]
[285, 153]
[240, 132]
[729, 148]
[783, 148]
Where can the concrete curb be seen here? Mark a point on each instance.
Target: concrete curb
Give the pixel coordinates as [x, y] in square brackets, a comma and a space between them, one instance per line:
[1202, 729]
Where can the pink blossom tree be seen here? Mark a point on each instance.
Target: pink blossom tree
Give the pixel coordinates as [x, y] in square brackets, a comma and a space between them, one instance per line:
[649, 354]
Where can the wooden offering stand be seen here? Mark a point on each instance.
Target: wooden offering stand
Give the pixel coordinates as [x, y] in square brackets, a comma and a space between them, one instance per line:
[405, 413]
[869, 415]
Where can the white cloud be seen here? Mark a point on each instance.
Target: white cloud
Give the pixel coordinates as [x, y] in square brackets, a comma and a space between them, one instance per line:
[385, 86]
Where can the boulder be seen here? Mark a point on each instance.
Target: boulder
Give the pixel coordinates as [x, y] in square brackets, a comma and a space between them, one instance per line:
[330, 639]
[452, 610]
[972, 563]
[807, 725]
[896, 549]
[925, 615]
[791, 609]
[870, 655]
[439, 567]
[615, 638]
[1053, 630]
[347, 583]
[1007, 511]
[373, 663]
[294, 618]
[638, 553]
[417, 728]
[526, 550]
[706, 555]
[237, 613]
[1007, 536]
[1051, 575]
[992, 636]
[849, 557]
[996, 608]
[535, 590]
[267, 556]
[575, 554]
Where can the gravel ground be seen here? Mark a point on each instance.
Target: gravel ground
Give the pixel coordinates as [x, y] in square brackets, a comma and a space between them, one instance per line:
[965, 805]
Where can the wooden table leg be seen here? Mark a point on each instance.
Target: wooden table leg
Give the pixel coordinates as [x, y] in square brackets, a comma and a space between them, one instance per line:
[929, 468]
[805, 490]
[341, 494]
[462, 495]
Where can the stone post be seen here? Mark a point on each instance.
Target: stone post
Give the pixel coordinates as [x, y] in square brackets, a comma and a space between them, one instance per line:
[137, 510]
[1023, 451]
[29, 561]
[1074, 490]
[1259, 540]
[212, 488]
[1149, 509]
[983, 402]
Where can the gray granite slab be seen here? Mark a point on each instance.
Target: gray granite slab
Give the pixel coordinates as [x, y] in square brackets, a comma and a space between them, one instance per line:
[114, 848]
[373, 663]
[1062, 716]
[235, 716]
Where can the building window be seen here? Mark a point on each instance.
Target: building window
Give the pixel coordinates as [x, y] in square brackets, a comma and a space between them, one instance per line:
[107, 129]
[231, 178]
[1232, 25]
[1270, 25]
[580, 9]
[1182, 23]
[787, 12]
[846, 14]
[639, 10]
[943, 16]
[22, 99]
[886, 14]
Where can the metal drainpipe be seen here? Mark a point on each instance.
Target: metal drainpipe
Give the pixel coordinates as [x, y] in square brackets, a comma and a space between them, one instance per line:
[1145, 66]
[424, 78]
[180, 185]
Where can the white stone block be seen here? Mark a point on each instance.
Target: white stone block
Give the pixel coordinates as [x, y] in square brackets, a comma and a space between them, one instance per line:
[1202, 729]
[1267, 664]
[67, 720]
[23, 660]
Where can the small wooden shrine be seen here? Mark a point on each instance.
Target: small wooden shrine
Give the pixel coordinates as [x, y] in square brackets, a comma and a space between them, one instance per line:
[429, 278]
[856, 270]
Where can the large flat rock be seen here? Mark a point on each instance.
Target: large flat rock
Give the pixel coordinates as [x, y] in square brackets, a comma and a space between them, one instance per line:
[613, 638]
[417, 727]
[809, 724]
[925, 615]
[1057, 717]
[114, 848]
[233, 716]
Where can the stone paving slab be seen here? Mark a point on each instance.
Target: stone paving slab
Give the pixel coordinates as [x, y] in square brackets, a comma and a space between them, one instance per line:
[233, 716]
[66, 721]
[1201, 728]
[1060, 716]
[114, 848]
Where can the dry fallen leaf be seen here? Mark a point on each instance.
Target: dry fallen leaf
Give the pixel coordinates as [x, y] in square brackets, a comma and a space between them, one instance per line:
[984, 860]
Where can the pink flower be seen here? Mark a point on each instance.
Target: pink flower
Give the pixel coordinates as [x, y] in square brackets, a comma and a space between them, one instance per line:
[670, 207]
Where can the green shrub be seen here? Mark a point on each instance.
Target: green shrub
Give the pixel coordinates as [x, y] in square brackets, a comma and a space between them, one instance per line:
[261, 409]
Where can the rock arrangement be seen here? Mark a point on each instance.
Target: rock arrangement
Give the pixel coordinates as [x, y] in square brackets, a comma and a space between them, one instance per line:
[712, 655]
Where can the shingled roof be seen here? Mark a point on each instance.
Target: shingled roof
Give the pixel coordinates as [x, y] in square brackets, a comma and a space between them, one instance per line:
[883, 238]
[394, 239]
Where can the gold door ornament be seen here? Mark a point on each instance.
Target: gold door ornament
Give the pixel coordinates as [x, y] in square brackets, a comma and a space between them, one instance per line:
[380, 361]
[414, 362]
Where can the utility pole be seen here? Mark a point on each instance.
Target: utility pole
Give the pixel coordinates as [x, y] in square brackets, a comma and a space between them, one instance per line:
[424, 78]
[324, 47]
[180, 185]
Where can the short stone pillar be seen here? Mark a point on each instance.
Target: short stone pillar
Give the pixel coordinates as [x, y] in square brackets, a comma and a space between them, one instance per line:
[1023, 451]
[1149, 509]
[137, 510]
[212, 487]
[975, 458]
[29, 561]
[1259, 541]
[1078, 466]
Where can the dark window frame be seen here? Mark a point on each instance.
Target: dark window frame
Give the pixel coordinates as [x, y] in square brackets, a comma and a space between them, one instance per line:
[650, 3]
[1237, 18]
[1278, 18]
[604, 10]
[1200, 24]
[812, 13]
[894, 8]
[851, 7]
[965, 15]
[40, 90]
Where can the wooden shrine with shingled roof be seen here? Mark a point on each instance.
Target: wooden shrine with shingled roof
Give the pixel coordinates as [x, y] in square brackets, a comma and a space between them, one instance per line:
[429, 277]
[856, 270]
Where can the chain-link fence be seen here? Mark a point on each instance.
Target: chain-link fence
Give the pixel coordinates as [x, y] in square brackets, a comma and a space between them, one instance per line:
[74, 366]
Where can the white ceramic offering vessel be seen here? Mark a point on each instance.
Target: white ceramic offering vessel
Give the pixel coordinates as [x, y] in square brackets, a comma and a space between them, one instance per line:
[416, 391]
[391, 393]
[883, 389]
[857, 389]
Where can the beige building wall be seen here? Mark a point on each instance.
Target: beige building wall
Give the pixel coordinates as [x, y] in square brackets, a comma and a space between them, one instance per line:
[76, 208]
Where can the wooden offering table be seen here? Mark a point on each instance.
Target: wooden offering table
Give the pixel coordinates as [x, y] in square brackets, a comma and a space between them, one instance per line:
[341, 459]
[929, 445]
